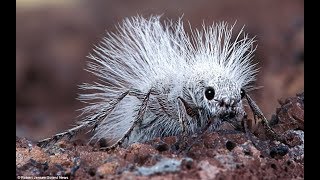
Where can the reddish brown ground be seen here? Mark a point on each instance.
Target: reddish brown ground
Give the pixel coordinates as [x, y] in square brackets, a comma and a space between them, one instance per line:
[218, 155]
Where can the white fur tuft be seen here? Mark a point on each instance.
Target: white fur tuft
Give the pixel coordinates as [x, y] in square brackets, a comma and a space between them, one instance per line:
[145, 54]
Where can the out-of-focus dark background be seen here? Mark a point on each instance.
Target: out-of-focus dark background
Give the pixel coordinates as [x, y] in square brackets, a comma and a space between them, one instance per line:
[53, 39]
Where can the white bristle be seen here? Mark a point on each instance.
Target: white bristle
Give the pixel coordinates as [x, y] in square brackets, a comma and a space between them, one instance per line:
[193, 77]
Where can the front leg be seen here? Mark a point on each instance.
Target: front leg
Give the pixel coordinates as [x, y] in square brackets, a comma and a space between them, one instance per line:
[182, 117]
[184, 110]
[258, 114]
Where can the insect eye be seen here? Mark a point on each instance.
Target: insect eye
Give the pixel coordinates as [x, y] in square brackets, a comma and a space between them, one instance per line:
[242, 93]
[209, 93]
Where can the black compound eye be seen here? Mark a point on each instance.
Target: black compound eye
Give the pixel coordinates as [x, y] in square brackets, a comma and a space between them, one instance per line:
[242, 93]
[209, 93]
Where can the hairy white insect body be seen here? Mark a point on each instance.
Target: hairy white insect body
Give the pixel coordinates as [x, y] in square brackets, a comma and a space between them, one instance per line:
[157, 80]
[146, 54]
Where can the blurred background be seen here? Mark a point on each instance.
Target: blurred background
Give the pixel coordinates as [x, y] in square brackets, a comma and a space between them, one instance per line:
[53, 39]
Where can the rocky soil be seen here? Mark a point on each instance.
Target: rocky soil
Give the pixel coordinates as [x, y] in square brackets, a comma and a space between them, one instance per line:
[226, 154]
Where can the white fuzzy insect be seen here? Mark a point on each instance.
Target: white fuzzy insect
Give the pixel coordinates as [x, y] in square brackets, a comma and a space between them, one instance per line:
[157, 80]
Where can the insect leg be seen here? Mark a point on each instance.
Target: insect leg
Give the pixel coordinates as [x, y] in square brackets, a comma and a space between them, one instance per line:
[87, 123]
[137, 120]
[258, 114]
[182, 119]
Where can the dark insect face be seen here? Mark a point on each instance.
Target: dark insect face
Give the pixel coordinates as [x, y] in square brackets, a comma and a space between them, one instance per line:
[242, 93]
[209, 93]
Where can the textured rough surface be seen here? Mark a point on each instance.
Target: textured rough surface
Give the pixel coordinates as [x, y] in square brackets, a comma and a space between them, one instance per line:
[226, 154]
